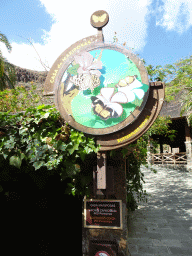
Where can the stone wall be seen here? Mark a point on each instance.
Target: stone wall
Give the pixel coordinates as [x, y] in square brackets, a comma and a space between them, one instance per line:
[27, 78]
[27, 75]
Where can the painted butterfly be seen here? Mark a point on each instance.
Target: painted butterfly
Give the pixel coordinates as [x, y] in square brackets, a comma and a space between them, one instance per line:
[128, 80]
[101, 110]
[99, 18]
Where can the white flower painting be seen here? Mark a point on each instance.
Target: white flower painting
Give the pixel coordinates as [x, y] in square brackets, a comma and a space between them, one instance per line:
[132, 90]
[108, 105]
[88, 73]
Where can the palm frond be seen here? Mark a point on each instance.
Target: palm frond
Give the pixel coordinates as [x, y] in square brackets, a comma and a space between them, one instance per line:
[4, 40]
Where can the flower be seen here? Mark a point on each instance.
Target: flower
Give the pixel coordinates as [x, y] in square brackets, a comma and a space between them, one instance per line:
[132, 90]
[87, 65]
[108, 102]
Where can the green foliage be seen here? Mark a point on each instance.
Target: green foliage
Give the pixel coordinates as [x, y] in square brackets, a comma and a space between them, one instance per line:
[135, 156]
[19, 98]
[4, 40]
[40, 139]
[178, 78]
[161, 127]
[156, 73]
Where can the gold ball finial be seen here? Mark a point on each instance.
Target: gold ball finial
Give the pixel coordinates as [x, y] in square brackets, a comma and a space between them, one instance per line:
[99, 19]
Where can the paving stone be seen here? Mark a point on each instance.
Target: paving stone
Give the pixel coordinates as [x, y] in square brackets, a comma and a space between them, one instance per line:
[162, 254]
[141, 241]
[153, 250]
[170, 225]
[183, 217]
[151, 225]
[155, 220]
[157, 242]
[171, 242]
[143, 254]
[187, 226]
[180, 251]
[161, 230]
[145, 249]
[150, 235]
[186, 244]
[132, 234]
[181, 237]
[180, 230]
[167, 215]
[133, 249]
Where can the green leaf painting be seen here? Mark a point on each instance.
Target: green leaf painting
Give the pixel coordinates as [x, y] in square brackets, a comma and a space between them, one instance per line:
[73, 70]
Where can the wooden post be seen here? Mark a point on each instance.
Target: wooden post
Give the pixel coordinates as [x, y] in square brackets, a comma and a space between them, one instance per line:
[101, 174]
[162, 157]
[174, 159]
[103, 178]
[187, 132]
[161, 148]
[188, 142]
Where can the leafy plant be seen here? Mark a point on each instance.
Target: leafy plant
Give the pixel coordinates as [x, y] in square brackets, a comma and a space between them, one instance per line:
[39, 138]
[19, 98]
[161, 127]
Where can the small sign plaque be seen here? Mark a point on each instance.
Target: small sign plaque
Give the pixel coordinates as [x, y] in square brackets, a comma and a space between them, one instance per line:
[103, 214]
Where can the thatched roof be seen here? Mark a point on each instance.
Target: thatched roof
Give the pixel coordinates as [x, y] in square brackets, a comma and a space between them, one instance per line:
[173, 108]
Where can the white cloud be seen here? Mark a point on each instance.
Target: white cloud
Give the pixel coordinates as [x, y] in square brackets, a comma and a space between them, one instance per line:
[71, 22]
[174, 15]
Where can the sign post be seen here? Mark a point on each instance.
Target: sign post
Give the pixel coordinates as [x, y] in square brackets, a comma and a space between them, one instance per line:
[103, 90]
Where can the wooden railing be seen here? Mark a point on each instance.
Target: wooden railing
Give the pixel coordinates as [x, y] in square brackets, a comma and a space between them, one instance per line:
[169, 158]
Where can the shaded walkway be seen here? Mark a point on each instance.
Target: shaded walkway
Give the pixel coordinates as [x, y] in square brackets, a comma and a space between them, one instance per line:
[163, 225]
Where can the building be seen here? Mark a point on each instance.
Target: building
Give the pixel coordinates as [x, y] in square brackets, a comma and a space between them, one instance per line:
[178, 151]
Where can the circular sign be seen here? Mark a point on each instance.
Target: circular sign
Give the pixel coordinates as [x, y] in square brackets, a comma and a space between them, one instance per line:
[101, 89]
[102, 253]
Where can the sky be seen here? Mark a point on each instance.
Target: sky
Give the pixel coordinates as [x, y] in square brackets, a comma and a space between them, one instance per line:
[159, 31]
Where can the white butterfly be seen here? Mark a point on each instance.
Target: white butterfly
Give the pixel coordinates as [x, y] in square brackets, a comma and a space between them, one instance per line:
[107, 104]
[132, 90]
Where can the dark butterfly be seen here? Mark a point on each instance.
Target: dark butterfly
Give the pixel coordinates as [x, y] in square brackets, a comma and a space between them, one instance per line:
[101, 110]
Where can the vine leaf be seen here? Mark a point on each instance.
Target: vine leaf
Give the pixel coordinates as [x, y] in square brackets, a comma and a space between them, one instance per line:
[38, 164]
[15, 161]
